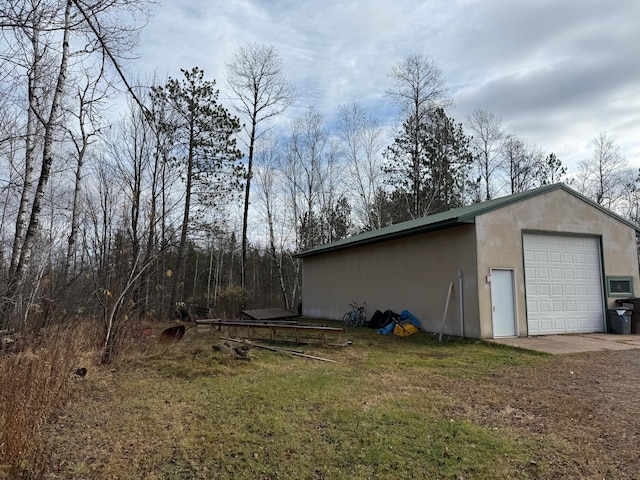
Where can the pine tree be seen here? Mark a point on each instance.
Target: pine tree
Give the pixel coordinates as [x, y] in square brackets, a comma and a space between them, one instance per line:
[206, 149]
[431, 175]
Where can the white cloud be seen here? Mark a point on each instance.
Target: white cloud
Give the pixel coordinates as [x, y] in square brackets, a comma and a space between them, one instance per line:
[558, 73]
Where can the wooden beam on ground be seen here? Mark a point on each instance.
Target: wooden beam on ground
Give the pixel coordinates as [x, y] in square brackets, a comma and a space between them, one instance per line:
[297, 353]
[312, 357]
[283, 326]
[269, 314]
[266, 347]
[273, 326]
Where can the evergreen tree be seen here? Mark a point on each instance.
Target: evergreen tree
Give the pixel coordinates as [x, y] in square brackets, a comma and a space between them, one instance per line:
[206, 152]
[551, 170]
[432, 176]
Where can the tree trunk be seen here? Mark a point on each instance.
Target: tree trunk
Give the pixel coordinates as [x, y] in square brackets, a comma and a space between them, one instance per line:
[182, 248]
[277, 261]
[30, 140]
[245, 215]
[73, 234]
[31, 233]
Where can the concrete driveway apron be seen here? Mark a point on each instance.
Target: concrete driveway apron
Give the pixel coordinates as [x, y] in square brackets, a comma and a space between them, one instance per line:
[558, 344]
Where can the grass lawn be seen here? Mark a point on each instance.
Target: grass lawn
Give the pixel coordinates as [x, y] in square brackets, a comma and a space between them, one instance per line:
[390, 407]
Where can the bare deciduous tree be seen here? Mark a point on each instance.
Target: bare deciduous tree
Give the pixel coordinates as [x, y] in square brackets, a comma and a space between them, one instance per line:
[419, 89]
[486, 142]
[42, 37]
[262, 92]
[50, 123]
[360, 138]
[520, 164]
[310, 169]
[86, 115]
[603, 176]
[267, 178]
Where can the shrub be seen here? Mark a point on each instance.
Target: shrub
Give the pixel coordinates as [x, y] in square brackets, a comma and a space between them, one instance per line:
[230, 301]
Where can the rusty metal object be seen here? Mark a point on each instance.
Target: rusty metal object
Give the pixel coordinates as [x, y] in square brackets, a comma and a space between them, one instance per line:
[173, 334]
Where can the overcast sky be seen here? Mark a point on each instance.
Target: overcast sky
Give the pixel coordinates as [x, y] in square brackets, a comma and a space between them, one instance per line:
[556, 72]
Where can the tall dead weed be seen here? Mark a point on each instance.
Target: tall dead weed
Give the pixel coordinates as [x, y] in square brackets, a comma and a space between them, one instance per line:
[35, 381]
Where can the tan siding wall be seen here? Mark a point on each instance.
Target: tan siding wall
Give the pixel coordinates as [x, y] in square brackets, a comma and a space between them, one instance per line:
[411, 273]
[500, 243]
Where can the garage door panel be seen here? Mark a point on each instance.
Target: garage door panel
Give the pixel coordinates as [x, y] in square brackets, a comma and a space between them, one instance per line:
[545, 323]
[559, 324]
[542, 273]
[594, 290]
[563, 284]
[573, 323]
[545, 306]
[584, 324]
[542, 240]
[593, 274]
[542, 256]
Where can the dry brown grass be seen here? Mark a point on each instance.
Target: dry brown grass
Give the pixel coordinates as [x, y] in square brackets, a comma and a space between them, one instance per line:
[457, 409]
[35, 381]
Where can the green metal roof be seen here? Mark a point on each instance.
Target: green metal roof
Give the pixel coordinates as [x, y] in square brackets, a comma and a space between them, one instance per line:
[448, 219]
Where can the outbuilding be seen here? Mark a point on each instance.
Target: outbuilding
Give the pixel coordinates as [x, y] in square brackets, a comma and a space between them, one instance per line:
[545, 261]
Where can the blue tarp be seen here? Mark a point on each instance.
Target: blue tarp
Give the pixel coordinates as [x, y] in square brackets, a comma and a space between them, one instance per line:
[388, 329]
[406, 317]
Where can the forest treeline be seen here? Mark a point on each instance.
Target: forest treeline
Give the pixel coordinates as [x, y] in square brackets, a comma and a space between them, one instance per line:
[173, 197]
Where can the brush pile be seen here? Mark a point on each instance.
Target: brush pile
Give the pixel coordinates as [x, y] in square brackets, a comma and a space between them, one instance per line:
[237, 352]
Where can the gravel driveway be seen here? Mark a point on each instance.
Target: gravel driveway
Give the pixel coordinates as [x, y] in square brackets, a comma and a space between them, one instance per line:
[589, 402]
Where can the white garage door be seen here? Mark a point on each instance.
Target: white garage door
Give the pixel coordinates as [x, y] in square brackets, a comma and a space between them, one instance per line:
[563, 284]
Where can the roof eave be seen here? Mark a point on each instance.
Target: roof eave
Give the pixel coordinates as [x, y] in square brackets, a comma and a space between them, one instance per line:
[390, 236]
[461, 219]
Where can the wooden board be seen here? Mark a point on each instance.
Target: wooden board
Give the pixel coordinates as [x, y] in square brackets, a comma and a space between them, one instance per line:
[269, 314]
[273, 327]
[277, 325]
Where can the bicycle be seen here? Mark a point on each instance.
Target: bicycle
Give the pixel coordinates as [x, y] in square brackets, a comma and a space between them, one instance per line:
[356, 317]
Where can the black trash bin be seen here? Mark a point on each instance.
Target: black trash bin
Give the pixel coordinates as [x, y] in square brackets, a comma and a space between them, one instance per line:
[619, 321]
[632, 304]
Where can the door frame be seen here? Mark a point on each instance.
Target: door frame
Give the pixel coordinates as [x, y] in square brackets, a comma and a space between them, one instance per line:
[514, 301]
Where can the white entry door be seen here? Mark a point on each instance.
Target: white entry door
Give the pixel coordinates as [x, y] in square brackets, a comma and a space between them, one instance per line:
[503, 304]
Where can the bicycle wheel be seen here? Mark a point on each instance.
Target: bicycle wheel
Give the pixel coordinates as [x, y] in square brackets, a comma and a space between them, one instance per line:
[346, 319]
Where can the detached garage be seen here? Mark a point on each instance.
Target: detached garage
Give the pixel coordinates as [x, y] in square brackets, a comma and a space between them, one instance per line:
[546, 261]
